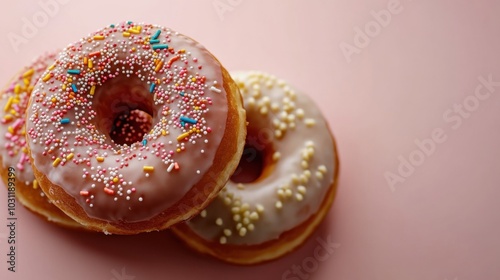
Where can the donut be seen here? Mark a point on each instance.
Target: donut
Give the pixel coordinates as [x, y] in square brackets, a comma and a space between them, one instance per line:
[14, 157]
[196, 132]
[260, 216]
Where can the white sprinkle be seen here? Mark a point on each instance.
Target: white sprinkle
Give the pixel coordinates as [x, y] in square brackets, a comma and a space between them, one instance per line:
[251, 227]
[310, 122]
[243, 231]
[219, 222]
[260, 208]
[203, 213]
[322, 169]
[299, 197]
[276, 156]
[223, 240]
[228, 232]
[170, 167]
[215, 89]
[279, 204]
[301, 189]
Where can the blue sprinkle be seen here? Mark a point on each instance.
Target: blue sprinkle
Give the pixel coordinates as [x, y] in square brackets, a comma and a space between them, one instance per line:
[160, 47]
[73, 86]
[74, 71]
[156, 35]
[182, 93]
[65, 121]
[183, 124]
[112, 26]
[154, 41]
[188, 120]
[152, 88]
[129, 22]
[144, 142]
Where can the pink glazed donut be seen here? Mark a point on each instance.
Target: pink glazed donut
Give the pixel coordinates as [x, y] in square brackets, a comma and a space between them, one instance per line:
[260, 216]
[15, 166]
[194, 144]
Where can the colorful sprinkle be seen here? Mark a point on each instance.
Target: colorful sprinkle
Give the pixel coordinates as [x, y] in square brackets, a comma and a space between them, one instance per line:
[160, 47]
[74, 88]
[74, 71]
[29, 73]
[148, 168]
[156, 35]
[46, 77]
[188, 120]
[65, 121]
[215, 89]
[56, 162]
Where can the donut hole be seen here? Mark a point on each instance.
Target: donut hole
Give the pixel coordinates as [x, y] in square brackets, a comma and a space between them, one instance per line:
[250, 166]
[124, 110]
[256, 160]
[130, 127]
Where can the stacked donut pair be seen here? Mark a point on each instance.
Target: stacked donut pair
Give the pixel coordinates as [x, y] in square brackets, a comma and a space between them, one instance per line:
[137, 128]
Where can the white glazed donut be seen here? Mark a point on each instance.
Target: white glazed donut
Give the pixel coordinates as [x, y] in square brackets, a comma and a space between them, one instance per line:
[274, 213]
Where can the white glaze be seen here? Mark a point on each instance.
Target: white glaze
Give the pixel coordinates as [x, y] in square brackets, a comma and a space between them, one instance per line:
[253, 213]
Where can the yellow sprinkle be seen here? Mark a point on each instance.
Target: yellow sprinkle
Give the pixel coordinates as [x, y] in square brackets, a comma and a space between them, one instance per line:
[182, 51]
[8, 118]
[92, 90]
[10, 129]
[163, 132]
[17, 89]
[100, 159]
[193, 79]
[85, 60]
[70, 156]
[52, 66]
[56, 162]
[138, 27]
[182, 136]
[47, 77]
[134, 31]
[26, 81]
[178, 150]
[148, 168]
[159, 66]
[63, 87]
[28, 73]
[126, 34]
[115, 180]
[6, 108]
[98, 37]
[30, 89]
[35, 184]
[90, 64]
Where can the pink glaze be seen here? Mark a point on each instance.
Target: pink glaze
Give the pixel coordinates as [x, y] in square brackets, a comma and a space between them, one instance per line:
[13, 103]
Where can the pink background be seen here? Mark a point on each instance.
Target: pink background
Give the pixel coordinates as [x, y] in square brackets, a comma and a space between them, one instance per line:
[442, 222]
